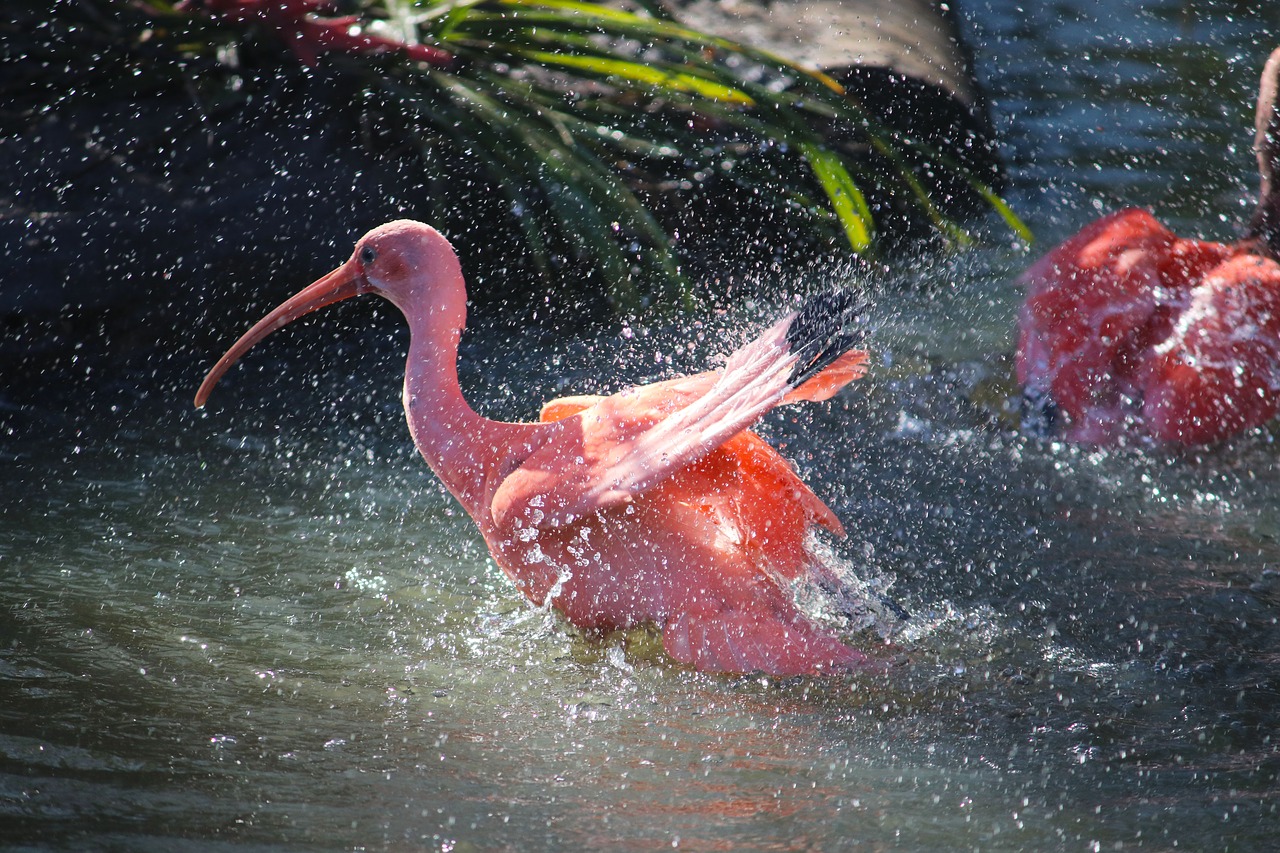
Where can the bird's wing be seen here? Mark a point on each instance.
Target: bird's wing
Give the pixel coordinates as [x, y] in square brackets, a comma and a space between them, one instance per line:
[672, 394]
[824, 385]
[615, 448]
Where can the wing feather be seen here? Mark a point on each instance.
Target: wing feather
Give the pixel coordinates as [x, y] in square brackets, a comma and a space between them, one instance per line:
[610, 450]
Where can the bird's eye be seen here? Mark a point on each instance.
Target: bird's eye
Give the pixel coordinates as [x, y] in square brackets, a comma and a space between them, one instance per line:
[368, 255]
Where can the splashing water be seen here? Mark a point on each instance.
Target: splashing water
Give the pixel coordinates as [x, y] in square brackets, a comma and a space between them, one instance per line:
[269, 626]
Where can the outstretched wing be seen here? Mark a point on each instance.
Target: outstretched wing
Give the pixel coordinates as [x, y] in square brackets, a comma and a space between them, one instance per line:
[616, 448]
[669, 395]
[750, 453]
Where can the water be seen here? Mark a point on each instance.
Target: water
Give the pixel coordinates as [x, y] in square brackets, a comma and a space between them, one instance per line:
[265, 626]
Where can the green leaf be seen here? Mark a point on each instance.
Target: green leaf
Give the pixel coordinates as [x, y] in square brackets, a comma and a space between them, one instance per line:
[1015, 223]
[636, 72]
[847, 200]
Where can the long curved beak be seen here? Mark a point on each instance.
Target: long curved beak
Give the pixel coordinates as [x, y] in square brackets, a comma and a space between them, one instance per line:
[346, 281]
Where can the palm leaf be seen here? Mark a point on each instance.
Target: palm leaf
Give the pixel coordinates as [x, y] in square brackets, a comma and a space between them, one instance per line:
[848, 201]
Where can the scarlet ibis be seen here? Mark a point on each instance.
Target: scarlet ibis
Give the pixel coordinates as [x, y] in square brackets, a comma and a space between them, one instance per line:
[1128, 329]
[655, 505]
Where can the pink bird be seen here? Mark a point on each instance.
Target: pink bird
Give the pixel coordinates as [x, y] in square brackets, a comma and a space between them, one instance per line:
[1129, 329]
[655, 505]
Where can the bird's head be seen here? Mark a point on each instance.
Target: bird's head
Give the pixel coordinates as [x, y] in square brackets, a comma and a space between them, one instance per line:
[409, 263]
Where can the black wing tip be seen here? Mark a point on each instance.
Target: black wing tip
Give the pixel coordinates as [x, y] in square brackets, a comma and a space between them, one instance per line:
[821, 331]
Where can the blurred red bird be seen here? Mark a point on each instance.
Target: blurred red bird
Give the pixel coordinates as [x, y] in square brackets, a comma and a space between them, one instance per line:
[309, 34]
[1128, 329]
[654, 505]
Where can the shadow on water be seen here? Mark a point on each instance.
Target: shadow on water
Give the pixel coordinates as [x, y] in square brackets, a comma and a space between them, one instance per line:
[266, 626]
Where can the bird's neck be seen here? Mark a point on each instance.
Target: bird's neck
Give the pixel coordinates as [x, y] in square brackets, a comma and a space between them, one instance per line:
[465, 450]
[1266, 219]
[1265, 226]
